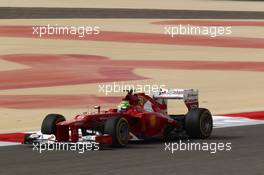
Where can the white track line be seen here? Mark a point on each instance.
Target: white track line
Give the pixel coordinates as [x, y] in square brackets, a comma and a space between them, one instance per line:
[224, 121]
[9, 143]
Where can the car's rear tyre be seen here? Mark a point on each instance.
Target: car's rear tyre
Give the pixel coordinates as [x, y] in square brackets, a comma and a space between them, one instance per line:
[199, 123]
[118, 128]
[49, 123]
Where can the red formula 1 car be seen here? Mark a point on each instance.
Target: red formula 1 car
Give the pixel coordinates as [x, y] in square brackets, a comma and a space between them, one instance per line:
[137, 117]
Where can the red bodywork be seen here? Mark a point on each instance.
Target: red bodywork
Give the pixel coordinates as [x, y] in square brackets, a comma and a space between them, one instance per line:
[142, 123]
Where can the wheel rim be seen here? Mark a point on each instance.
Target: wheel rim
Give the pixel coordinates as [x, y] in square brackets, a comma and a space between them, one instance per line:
[123, 132]
[206, 125]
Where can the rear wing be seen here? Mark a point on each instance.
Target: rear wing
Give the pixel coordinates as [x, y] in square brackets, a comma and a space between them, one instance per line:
[189, 96]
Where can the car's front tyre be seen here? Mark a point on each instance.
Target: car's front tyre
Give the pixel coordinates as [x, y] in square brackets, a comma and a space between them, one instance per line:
[49, 123]
[118, 128]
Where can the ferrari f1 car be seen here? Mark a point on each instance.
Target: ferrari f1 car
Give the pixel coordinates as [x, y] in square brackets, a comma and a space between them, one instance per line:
[137, 117]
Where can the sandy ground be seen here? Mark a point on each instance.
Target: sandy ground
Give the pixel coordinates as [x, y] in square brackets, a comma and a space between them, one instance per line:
[144, 4]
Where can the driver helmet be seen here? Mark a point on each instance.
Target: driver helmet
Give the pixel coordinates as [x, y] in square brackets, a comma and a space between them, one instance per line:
[122, 107]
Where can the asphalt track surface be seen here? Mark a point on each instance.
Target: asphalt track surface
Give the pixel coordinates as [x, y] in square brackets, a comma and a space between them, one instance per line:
[38, 13]
[246, 157]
